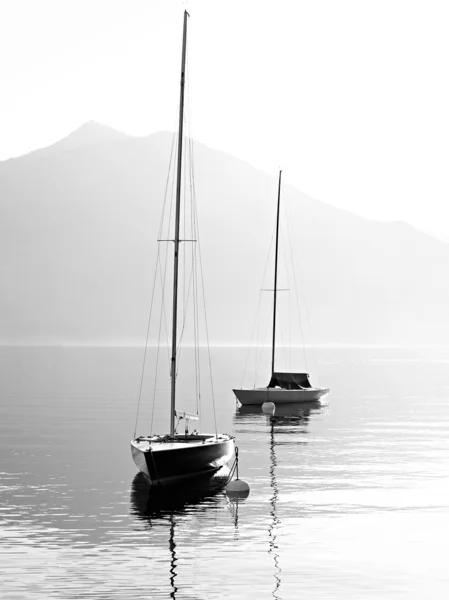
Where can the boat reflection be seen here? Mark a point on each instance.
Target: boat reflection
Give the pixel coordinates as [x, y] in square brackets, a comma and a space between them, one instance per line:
[301, 410]
[170, 505]
[287, 419]
[275, 521]
[149, 501]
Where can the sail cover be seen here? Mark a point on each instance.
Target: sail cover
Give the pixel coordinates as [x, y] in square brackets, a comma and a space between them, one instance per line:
[290, 381]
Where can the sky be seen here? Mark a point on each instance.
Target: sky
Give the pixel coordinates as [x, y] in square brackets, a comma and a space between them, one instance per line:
[349, 97]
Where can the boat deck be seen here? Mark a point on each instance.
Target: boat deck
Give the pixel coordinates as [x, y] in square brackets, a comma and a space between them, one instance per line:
[166, 443]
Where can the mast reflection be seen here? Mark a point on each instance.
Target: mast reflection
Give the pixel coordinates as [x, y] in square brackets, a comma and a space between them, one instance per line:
[156, 505]
[272, 529]
[172, 546]
[287, 419]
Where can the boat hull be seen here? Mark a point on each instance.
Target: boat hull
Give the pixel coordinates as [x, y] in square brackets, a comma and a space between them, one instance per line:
[185, 457]
[279, 395]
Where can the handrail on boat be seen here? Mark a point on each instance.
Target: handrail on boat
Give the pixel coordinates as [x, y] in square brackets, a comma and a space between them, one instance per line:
[186, 415]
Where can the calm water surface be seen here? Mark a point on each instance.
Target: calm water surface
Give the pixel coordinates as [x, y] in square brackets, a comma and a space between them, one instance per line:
[349, 500]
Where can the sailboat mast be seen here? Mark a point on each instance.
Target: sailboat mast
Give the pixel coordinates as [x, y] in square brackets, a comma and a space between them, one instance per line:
[273, 349]
[176, 240]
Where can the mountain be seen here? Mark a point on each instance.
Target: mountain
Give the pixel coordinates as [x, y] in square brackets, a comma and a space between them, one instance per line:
[89, 134]
[78, 244]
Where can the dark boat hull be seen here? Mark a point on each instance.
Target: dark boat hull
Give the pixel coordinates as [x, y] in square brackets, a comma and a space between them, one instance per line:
[163, 461]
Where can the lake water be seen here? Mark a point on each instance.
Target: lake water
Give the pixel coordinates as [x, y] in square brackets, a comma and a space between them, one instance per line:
[349, 500]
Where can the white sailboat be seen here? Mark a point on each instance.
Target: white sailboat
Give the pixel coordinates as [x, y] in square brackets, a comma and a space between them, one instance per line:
[172, 457]
[283, 388]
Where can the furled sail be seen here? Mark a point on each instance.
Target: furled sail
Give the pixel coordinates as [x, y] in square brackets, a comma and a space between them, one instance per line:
[290, 381]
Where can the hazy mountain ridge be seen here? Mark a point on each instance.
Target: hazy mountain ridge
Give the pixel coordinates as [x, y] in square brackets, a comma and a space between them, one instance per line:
[78, 243]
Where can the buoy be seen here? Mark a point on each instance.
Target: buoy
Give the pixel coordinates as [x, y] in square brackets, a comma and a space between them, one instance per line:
[237, 488]
[269, 408]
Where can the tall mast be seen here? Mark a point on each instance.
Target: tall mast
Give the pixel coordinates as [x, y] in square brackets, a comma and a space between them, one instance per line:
[275, 277]
[177, 219]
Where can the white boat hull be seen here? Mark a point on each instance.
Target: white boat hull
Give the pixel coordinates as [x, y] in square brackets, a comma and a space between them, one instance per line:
[279, 395]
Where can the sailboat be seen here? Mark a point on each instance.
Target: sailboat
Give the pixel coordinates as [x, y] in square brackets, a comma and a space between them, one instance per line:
[173, 457]
[283, 387]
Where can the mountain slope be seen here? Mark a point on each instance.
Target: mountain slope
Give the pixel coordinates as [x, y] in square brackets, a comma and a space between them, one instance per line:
[78, 244]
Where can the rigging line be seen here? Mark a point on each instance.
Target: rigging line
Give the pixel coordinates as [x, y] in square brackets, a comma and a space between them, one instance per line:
[189, 154]
[296, 287]
[188, 138]
[163, 315]
[195, 333]
[185, 172]
[169, 237]
[267, 331]
[256, 321]
[163, 277]
[186, 296]
[255, 339]
[286, 347]
[204, 304]
[259, 345]
[196, 337]
[259, 349]
[196, 311]
[152, 294]
[184, 319]
[146, 346]
[195, 292]
[194, 249]
[158, 352]
[169, 224]
[178, 346]
[184, 254]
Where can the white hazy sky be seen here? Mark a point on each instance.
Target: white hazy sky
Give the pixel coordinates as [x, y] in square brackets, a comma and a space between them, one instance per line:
[350, 97]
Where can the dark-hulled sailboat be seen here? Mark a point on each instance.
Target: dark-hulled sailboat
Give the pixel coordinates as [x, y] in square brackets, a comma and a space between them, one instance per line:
[173, 457]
